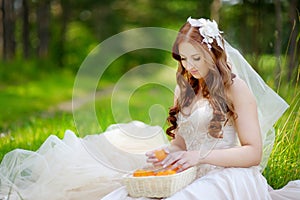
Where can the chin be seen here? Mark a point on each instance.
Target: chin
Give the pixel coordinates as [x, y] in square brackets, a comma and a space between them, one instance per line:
[197, 76]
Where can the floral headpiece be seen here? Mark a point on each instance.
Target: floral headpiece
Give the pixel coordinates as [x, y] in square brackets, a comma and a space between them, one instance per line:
[209, 30]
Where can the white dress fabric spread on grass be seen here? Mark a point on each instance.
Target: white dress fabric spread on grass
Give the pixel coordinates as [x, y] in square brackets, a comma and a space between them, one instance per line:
[92, 168]
[77, 168]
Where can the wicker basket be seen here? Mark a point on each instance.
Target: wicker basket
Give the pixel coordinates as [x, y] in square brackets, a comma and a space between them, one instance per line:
[158, 186]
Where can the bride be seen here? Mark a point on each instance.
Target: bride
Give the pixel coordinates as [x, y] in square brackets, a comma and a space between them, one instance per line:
[221, 122]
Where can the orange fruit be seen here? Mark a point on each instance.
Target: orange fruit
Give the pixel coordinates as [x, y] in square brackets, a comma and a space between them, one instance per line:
[142, 172]
[160, 154]
[170, 172]
[166, 172]
[175, 169]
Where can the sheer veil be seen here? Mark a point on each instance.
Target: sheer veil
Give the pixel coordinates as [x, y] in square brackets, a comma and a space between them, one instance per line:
[270, 105]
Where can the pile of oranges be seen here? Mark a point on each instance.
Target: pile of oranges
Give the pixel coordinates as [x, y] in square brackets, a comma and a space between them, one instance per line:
[160, 155]
[142, 172]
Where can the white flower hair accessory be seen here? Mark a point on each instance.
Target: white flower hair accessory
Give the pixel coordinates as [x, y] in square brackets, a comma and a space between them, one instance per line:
[209, 31]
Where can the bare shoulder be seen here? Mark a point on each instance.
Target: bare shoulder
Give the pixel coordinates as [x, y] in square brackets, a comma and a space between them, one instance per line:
[239, 90]
[238, 85]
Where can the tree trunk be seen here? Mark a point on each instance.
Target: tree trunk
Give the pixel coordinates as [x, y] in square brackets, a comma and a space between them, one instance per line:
[1, 29]
[9, 45]
[214, 10]
[43, 27]
[65, 5]
[26, 43]
[278, 39]
[255, 47]
[294, 44]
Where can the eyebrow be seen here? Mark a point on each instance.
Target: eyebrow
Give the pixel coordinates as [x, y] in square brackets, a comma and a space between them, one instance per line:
[192, 55]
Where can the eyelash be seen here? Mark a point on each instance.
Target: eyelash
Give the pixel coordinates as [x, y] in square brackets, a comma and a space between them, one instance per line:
[195, 59]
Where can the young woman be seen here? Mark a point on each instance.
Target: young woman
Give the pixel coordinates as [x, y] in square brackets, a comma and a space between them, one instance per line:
[215, 122]
[220, 122]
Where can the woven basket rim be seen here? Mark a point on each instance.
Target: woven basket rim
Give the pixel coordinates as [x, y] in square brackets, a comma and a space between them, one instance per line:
[189, 170]
[147, 186]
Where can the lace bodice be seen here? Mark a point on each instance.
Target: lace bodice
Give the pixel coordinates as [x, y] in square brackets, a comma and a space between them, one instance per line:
[193, 129]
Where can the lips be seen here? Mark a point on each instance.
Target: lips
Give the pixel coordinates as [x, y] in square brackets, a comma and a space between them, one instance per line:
[194, 71]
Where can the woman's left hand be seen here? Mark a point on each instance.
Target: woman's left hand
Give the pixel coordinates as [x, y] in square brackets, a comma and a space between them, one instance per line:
[181, 160]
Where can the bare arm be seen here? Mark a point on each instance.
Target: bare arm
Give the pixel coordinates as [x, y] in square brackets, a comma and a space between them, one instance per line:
[177, 144]
[247, 126]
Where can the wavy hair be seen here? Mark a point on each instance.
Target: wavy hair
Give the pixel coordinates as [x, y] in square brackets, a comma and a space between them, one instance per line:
[212, 87]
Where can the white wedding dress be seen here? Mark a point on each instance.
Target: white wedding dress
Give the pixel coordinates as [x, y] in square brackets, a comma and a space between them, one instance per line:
[213, 182]
[92, 167]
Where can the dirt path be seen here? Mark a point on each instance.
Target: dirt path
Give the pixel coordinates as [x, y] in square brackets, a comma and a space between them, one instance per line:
[74, 104]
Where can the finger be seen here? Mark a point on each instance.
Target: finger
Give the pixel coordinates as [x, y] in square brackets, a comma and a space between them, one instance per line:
[166, 149]
[152, 160]
[169, 160]
[151, 157]
[178, 157]
[172, 158]
[150, 153]
[184, 167]
[178, 164]
[176, 167]
[157, 164]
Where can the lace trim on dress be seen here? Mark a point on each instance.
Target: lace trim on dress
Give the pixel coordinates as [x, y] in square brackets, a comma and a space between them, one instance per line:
[193, 129]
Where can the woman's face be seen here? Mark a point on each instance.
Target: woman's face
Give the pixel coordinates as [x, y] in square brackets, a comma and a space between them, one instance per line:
[193, 60]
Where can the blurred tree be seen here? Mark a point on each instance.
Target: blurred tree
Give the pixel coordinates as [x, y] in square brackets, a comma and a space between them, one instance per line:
[8, 17]
[203, 8]
[215, 9]
[251, 26]
[1, 28]
[278, 39]
[294, 45]
[25, 17]
[65, 13]
[43, 27]
[63, 31]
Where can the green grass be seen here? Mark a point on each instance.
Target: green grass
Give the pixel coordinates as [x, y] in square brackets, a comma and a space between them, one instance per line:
[19, 102]
[26, 121]
[284, 162]
[27, 108]
[34, 131]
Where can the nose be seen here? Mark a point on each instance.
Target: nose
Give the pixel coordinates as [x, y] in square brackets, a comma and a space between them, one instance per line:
[189, 65]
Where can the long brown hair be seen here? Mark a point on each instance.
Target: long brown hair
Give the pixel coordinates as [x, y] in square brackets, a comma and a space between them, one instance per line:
[212, 87]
